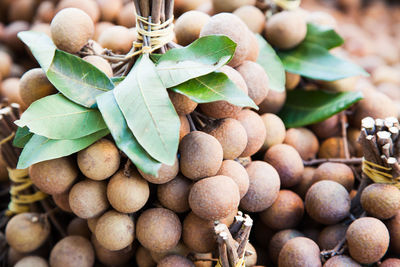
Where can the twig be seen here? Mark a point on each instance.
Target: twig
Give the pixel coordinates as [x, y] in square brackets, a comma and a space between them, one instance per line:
[52, 218]
[352, 161]
[191, 123]
[344, 135]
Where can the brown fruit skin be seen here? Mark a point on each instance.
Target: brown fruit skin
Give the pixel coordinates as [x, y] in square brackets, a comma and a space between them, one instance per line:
[175, 261]
[286, 29]
[231, 135]
[292, 80]
[327, 202]
[255, 130]
[100, 27]
[10, 90]
[341, 261]
[188, 26]
[117, 38]
[165, 174]
[92, 222]
[331, 235]
[10, 37]
[254, 48]
[233, 27]
[88, 198]
[45, 11]
[214, 198]
[275, 129]
[126, 16]
[27, 231]
[394, 229]
[300, 252]
[391, 262]
[332, 148]
[174, 195]
[112, 258]
[256, 79]
[201, 155]
[79, 227]
[367, 240]
[252, 16]
[238, 173]
[6, 63]
[182, 104]
[21, 10]
[54, 176]
[304, 141]
[286, 212]
[127, 194]
[62, 201]
[223, 109]
[32, 261]
[381, 200]
[337, 172]
[273, 103]
[180, 249]
[158, 229]
[42, 27]
[327, 128]
[229, 6]
[109, 9]
[305, 182]
[278, 240]
[143, 258]
[354, 146]
[35, 85]
[72, 251]
[263, 189]
[100, 63]
[287, 162]
[185, 127]
[100, 160]
[71, 29]
[90, 7]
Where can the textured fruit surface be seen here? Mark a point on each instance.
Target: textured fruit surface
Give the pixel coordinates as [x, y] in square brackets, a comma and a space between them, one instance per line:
[278, 240]
[381, 200]
[300, 252]
[337, 172]
[72, 251]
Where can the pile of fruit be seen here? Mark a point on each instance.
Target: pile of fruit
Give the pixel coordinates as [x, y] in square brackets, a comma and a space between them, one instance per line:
[199, 133]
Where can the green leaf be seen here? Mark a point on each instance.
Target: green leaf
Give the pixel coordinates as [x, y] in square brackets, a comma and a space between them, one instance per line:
[77, 79]
[201, 57]
[40, 148]
[56, 117]
[212, 87]
[123, 137]
[22, 136]
[41, 46]
[117, 80]
[308, 107]
[269, 60]
[323, 36]
[144, 101]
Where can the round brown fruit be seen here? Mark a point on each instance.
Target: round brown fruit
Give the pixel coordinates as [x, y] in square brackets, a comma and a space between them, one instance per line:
[165, 174]
[188, 26]
[331, 235]
[32, 261]
[185, 127]
[21, 10]
[27, 231]
[256, 79]
[338, 172]
[100, 63]
[88, 198]
[100, 27]
[381, 200]
[394, 229]
[238, 173]
[286, 212]
[327, 202]
[180, 249]
[92, 222]
[263, 189]
[158, 229]
[367, 240]
[143, 258]
[254, 48]
[214, 198]
[299, 252]
[109, 9]
[304, 141]
[356, 149]
[10, 90]
[78, 226]
[112, 258]
[100, 160]
[292, 80]
[174, 195]
[72, 251]
[117, 38]
[305, 182]
[231, 135]
[175, 261]
[90, 7]
[341, 261]
[252, 16]
[273, 103]
[229, 5]
[278, 240]
[71, 29]
[127, 194]
[275, 129]
[126, 16]
[201, 155]
[115, 231]
[42, 27]
[391, 262]
[45, 11]
[182, 104]
[62, 201]
[327, 128]
[54, 176]
[332, 147]
[34, 85]
[5, 65]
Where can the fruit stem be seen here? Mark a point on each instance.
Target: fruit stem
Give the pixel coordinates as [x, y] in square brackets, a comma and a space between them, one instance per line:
[344, 135]
[352, 161]
[191, 123]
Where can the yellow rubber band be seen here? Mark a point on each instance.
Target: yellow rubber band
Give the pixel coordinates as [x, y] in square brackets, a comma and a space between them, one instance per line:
[288, 4]
[379, 174]
[8, 138]
[241, 263]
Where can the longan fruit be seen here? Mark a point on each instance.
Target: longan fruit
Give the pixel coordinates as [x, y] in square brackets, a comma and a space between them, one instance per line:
[286, 29]
[158, 229]
[71, 29]
[292, 80]
[88, 198]
[119, 39]
[332, 147]
[273, 103]
[109, 9]
[54, 176]
[341, 261]
[185, 127]
[42, 27]
[256, 79]
[305, 183]
[62, 201]
[100, 63]
[10, 33]
[30, 261]
[278, 240]
[304, 141]
[331, 235]
[201, 155]
[327, 128]
[78, 226]
[275, 129]
[174, 195]
[327, 202]
[92, 222]
[254, 48]
[180, 249]
[367, 240]
[342, 85]
[222, 197]
[72, 251]
[338, 172]
[231, 135]
[175, 261]
[100, 27]
[143, 258]
[299, 252]
[10, 90]
[391, 262]
[286, 211]
[21, 10]
[188, 26]
[182, 104]
[229, 6]
[127, 194]
[223, 109]
[165, 174]
[182, 6]
[112, 258]
[252, 16]
[287, 162]
[233, 27]
[126, 16]
[90, 7]
[34, 85]
[381, 200]
[263, 189]
[100, 160]
[45, 11]
[6, 63]
[322, 18]
[238, 173]
[393, 226]
[25, 232]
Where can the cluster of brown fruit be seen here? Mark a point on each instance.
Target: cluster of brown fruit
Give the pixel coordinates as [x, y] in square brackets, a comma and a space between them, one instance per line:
[238, 159]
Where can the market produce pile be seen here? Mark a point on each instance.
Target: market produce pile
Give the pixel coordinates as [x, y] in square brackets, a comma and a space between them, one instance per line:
[199, 133]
